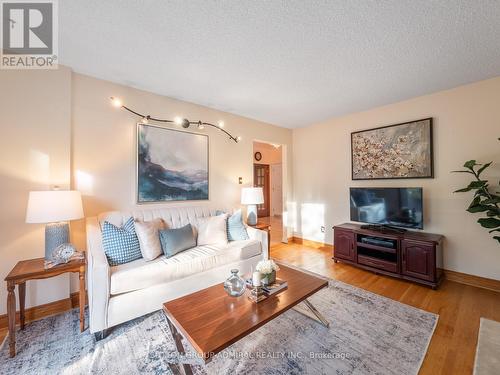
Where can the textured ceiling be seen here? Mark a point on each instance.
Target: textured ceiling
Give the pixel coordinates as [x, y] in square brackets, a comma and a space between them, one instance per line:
[290, 63]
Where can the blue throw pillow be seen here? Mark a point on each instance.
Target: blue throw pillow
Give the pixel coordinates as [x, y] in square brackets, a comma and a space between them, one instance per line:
[174, 241]
[236, 230]
[121, 245]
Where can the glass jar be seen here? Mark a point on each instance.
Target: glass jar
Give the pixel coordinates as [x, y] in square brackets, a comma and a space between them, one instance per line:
[234, 285]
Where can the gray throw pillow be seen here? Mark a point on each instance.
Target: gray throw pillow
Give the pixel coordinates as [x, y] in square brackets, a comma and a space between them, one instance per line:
[174, 241]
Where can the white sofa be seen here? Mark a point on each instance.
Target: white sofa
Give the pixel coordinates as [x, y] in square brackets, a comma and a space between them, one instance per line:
[121, 293]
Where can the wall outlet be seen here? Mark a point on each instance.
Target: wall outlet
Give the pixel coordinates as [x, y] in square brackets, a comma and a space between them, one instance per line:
[322, 229]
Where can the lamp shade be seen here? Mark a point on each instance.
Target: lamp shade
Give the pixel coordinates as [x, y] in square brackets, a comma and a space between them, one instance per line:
[252, 195]
[54, 206]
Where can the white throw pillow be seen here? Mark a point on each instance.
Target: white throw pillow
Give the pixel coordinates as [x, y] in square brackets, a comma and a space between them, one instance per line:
[149, 238]
[212, 230]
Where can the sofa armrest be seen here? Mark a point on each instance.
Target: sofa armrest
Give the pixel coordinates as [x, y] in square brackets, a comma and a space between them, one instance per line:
[98, 277]
[262, 236]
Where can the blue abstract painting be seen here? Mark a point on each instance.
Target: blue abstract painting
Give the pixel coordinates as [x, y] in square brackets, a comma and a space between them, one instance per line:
[172, 165]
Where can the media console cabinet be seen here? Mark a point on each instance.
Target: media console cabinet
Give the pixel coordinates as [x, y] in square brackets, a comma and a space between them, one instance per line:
[414, 256]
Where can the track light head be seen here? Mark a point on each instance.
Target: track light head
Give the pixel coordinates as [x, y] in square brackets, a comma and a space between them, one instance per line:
[116, 102]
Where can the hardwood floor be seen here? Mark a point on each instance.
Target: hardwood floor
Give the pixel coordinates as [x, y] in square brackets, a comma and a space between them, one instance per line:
[459, 306]
[453, 345]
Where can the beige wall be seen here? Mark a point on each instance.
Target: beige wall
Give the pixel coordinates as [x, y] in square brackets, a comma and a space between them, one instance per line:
[270, 154]
[466, 126]
[35, 154]
[70, 131]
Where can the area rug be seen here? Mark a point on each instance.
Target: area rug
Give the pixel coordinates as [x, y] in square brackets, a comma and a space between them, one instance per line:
[368, 334]
[488, 348]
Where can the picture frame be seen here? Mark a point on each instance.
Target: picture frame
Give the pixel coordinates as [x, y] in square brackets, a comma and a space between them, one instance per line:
[171, 165]
[398, 151]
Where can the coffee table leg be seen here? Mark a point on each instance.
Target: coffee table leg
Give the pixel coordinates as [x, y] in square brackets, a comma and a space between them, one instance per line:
[178, 344]
[316, 315]
[11, 311]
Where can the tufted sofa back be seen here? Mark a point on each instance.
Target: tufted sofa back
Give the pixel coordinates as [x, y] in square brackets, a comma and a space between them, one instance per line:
[174, 217]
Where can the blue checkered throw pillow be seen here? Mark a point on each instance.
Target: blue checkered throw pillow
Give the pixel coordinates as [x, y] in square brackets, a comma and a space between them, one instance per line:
[121, 245]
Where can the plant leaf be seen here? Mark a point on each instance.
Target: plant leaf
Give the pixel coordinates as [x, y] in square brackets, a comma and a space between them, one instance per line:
[478, 208]
[494, 199]
[490, 222]
[480, 193]
[463, 190]
[478, 184]
[470, 164]
[483, 168]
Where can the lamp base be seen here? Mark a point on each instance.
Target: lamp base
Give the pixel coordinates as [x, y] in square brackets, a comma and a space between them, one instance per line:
[55, 234]
[252, 214]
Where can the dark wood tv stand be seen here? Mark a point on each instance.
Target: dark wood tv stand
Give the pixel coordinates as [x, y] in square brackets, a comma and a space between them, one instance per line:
[414, 256]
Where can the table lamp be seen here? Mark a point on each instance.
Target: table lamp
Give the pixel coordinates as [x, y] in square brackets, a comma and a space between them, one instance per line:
[252, 196]
[54, 208]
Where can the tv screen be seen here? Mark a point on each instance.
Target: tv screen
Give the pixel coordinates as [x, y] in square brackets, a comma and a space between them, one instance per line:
[399, 207]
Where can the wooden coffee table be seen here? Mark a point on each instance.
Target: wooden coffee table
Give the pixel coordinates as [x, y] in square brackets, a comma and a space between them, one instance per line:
[212, 320]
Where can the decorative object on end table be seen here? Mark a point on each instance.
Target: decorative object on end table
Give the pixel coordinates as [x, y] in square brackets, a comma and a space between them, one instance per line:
[234, 285]
[484, 200]
[394, 151]
[54, 208]
[63, 254]
[252, 196]
[268, 269]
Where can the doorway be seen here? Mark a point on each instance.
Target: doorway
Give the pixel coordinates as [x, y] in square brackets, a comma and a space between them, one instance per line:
[261, 178]
[268, 174]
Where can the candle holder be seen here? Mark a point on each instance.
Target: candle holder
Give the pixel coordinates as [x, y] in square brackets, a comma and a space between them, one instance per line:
[256, 294]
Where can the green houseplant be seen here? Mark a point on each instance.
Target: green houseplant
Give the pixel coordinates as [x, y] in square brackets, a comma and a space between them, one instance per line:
[484, 200]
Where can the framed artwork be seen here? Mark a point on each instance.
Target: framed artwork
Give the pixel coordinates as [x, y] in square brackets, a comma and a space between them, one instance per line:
[394, 151]
[172, 165]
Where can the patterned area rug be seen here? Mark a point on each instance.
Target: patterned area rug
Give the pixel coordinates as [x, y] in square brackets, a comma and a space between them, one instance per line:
[368, 334]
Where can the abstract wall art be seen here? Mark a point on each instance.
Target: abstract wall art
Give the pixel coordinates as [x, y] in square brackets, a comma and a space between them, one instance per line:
[395, 151]
[172, 165]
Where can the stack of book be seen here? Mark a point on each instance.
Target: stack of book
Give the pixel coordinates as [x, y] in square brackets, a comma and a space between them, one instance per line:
[278, 286]
[269, 290]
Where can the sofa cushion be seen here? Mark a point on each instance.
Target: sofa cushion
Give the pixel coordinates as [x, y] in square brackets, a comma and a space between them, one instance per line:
[121, 245]
[212, 230]
[141, 274]
[175, 240]
[149, 238]
[235, 228]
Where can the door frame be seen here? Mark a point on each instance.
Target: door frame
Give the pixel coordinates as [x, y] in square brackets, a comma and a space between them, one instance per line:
[287, 217]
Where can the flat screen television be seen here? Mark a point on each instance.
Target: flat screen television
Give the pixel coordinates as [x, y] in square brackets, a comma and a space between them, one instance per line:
[397, 207]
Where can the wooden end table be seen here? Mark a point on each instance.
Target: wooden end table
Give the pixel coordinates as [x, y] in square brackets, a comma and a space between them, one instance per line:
[266, 228]
[34, 269]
